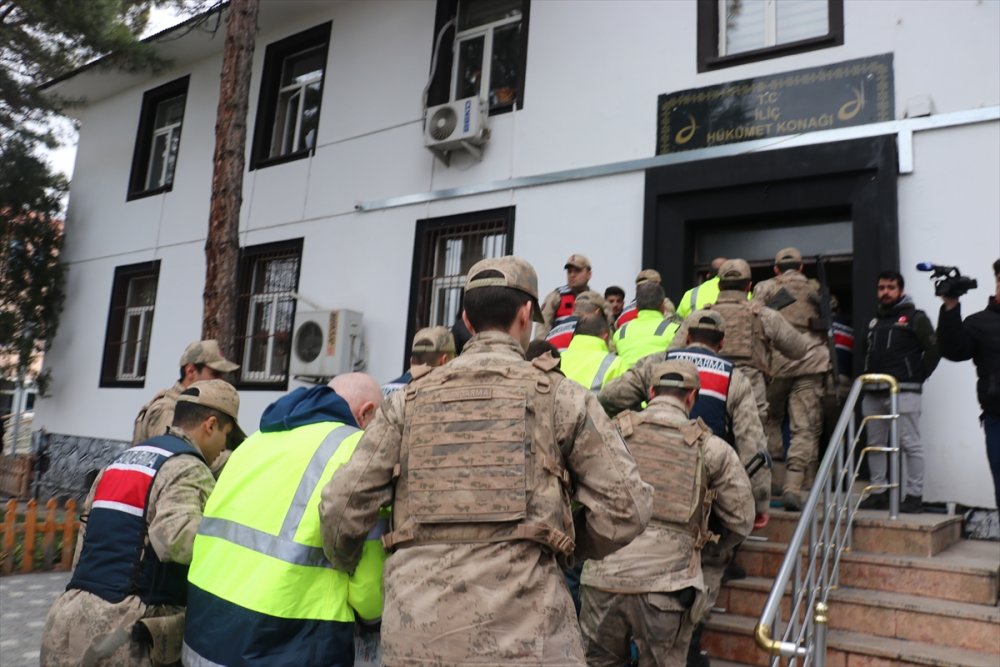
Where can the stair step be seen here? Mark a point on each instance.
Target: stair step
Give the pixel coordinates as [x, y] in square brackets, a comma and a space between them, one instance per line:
[884, 614]
[730, 637]
[924, 534]
[968, 571]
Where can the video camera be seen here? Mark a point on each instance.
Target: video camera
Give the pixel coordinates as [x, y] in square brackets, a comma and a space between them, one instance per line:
[948, 280]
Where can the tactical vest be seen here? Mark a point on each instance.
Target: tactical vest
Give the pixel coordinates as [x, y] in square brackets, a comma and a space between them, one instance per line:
[672, 460]
[478, 460]
[744, 333]
[567, 300]
[628, 314]
[893, 347]
[561, 334]
[117, 559]
[715, 375]
[843, 339]
[803, 309]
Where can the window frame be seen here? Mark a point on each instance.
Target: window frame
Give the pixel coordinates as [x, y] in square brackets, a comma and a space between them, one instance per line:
[246, 298]
[420, 313]
[443, 86]
[275, 55]
[146, 131]
[709, 33]
[115, 329]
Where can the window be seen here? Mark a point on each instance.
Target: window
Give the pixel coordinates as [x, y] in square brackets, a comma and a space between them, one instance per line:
[444, 251]
[158, 139]
[291, 90]
[268, 279]
[483, 54]
[734, 32]
[130, 322]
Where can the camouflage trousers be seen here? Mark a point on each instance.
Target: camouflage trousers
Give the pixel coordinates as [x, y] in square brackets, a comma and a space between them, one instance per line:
[658, 624]
[799, 397]
[83, 629]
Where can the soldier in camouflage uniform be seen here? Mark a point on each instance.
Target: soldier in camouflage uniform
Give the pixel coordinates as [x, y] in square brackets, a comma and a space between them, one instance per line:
[480, 460]
[558, 305]
[742, 424]
[796, 386]
[130, 569]
[753, 331]
[652, 592]
[202, 360]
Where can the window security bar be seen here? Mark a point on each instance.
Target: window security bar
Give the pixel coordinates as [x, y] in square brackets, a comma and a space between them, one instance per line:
[824, 532]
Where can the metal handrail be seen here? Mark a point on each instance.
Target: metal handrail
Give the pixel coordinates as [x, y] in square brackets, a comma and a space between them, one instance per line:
[824, 530]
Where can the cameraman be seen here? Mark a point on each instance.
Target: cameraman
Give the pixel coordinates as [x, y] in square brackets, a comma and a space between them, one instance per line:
[978, 338]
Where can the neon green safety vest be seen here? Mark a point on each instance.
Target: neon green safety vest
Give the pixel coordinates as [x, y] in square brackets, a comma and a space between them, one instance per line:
[648, 333]
[698, 297]
[259, 545]
[587, 362]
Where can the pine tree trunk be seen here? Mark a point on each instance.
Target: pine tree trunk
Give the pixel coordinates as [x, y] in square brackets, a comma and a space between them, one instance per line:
[222, 244]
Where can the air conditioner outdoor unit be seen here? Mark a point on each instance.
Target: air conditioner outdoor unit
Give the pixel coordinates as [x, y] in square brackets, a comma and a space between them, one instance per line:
[327, 343]
[457, 125]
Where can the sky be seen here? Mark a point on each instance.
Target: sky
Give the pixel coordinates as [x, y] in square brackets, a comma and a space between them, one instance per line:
[62, 158]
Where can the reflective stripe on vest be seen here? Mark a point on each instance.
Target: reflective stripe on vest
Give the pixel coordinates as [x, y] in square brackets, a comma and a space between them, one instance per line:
[694, 298]
[602, 370]
[715, 374]
[282, 546]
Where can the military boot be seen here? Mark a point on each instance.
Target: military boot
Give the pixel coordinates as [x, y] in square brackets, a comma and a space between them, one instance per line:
[792, 496]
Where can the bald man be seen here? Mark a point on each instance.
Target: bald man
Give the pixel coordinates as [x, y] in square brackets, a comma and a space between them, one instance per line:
[261, 526]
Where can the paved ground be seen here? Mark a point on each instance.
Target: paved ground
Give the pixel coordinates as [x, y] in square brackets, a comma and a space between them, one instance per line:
[24, 604]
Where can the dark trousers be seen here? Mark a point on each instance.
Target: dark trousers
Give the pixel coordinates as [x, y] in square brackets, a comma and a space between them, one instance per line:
[992, 427]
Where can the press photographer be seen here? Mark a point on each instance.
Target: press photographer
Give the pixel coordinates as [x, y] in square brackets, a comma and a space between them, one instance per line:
[976, 338]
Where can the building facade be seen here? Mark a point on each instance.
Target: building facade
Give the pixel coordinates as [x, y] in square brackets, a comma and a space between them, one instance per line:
[637, 133]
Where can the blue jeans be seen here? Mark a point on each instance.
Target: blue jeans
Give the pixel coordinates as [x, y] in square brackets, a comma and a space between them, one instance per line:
[992, 427]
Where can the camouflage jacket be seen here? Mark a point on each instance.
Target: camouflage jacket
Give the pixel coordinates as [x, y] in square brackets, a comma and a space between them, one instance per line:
[616, 504]
[154, 417]
[664, 558]
[817, 356]
[632, 388]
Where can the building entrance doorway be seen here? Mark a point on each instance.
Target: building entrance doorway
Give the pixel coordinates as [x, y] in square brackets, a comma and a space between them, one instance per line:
[836, 201]
[829, 241]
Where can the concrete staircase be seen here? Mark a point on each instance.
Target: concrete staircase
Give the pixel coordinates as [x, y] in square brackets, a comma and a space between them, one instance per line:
[912, 592]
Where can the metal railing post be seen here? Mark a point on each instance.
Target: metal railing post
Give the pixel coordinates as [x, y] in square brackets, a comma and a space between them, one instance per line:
[805, 633]
[821, 619]
[895, 483]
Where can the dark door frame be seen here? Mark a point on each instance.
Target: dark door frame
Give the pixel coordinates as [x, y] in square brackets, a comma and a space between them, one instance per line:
[855, 179]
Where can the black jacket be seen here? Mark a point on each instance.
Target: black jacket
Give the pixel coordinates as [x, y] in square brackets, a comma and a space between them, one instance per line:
[977, 338]
[901, 342]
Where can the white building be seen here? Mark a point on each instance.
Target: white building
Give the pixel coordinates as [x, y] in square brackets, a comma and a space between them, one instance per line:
[344, 205]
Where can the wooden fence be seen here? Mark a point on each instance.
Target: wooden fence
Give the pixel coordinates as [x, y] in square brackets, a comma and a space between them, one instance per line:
[20, 535]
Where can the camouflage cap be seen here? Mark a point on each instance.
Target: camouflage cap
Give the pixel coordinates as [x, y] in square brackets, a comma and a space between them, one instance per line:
[516, 273]
[734, 269]
[207, 352]
[677, 374]
[588, 302]
[434, 339]
[706, 320]
[578, 261]
[216, 394]
[788, 255]
[648, 275]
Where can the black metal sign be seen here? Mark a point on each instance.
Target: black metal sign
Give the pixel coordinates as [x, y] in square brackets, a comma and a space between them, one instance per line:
[854, 92]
